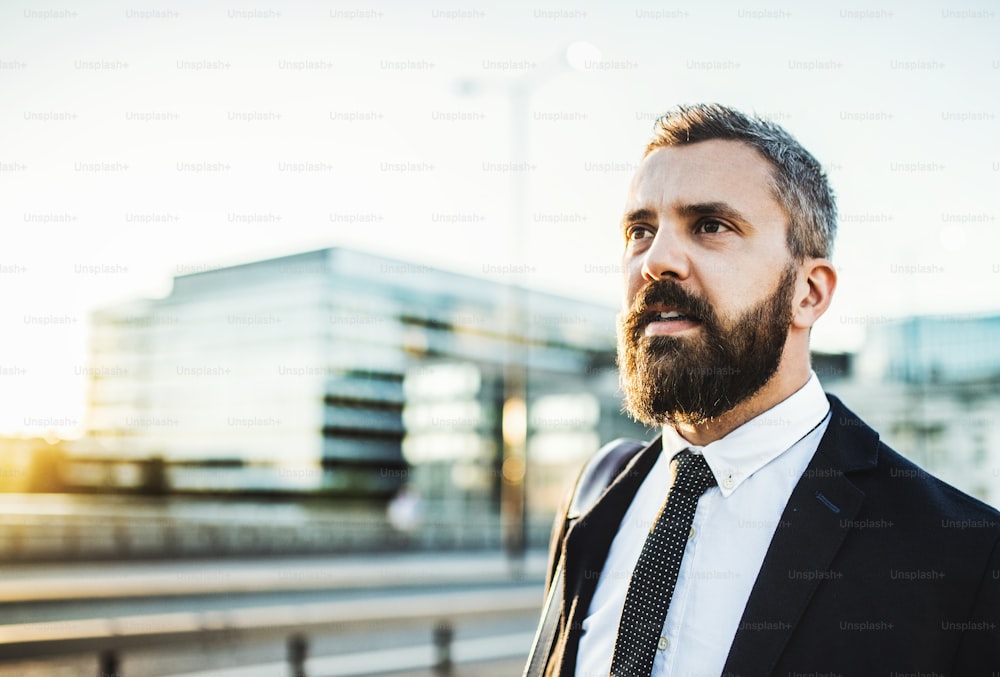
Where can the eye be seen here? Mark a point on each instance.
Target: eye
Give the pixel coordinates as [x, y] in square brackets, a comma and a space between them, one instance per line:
[638, 232]
[711, 226]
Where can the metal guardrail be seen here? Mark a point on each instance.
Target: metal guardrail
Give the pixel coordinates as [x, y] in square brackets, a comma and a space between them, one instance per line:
[395, 660]
[35, 538]
[69, 582]
[109, 637]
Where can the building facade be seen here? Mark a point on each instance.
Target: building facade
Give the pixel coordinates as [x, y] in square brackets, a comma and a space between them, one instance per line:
[346, 374]
[931, 387]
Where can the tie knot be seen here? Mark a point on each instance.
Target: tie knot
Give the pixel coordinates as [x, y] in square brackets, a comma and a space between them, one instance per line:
[693, 474]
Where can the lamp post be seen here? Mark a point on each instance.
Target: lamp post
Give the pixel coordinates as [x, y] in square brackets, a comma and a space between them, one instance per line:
[516, 402]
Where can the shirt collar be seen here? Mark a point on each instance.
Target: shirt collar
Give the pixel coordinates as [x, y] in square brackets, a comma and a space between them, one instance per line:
[760, 440]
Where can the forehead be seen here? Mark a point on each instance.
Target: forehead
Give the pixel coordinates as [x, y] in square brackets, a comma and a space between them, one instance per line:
[707, 171]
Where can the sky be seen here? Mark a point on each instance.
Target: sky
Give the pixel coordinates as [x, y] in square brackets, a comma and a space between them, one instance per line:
[141, 141]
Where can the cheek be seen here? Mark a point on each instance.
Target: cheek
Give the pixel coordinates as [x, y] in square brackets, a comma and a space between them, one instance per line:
[731, 287]
[737, 296]
[633, 287]
[728, 299]
[631, 282]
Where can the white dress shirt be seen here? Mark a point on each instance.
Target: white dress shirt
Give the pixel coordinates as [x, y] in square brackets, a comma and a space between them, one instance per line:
[756, 466]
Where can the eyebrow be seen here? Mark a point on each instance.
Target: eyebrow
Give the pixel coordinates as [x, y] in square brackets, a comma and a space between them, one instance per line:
[722, 209]
[638, 216]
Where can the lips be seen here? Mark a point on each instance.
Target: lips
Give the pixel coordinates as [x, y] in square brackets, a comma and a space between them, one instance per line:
[665, 321]
[671, 315]
[665, 308]
[667, 314]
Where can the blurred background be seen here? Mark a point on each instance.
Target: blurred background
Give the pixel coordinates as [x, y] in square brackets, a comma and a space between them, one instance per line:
[308, 308]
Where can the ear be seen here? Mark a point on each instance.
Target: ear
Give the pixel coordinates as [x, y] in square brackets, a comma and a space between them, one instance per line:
[814, 296]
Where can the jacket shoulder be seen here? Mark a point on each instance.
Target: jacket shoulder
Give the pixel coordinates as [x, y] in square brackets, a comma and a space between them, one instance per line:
[933, 493]
[600, 471]
[888, 477]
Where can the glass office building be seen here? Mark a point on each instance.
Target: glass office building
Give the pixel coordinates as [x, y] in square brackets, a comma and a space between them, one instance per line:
[345, 373]
[934, 349]
[931, 387]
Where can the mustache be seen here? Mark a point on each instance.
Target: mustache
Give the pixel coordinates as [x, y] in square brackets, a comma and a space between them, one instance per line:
[667, 292]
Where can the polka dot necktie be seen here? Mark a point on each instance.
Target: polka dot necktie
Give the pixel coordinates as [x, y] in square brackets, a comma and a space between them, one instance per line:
[655, 573]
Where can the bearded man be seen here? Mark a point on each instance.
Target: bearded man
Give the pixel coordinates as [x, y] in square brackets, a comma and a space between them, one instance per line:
[767, 531]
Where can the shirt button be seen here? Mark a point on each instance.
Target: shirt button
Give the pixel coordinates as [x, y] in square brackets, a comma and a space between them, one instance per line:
[691, 534]
[663, 644]
[728, 483]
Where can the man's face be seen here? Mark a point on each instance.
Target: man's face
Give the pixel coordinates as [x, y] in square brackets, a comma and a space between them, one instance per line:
[709, 283]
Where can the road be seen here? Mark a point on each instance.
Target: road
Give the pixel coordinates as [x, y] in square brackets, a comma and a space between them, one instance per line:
[374, 615]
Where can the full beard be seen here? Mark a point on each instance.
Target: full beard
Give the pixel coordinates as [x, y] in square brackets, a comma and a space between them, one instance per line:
[694, 379]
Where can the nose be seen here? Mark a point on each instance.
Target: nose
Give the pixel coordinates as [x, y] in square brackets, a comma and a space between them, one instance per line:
[666, 257]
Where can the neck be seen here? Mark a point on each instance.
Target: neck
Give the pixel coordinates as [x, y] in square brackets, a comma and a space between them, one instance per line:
[782, 385]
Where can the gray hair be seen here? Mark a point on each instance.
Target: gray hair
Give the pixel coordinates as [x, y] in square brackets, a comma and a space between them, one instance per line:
[798, 180]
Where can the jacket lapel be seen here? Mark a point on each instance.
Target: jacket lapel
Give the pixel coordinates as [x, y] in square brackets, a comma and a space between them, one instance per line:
[587, 542]
[817, 518]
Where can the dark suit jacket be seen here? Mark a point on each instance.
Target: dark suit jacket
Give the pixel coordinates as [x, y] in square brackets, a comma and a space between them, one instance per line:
[876, 569]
